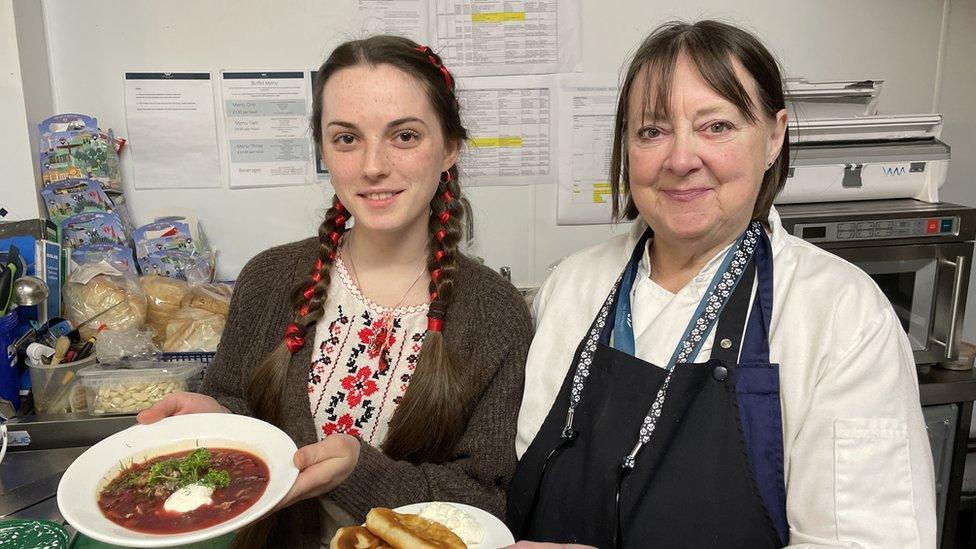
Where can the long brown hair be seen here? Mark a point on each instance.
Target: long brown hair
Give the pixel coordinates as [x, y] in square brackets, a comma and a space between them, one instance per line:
[432, 417]
[433, 414]
[711, 45]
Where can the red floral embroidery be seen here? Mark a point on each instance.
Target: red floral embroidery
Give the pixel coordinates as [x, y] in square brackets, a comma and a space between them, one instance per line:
[343, 425]
[361, 372]
[378, 336]
[359, 386]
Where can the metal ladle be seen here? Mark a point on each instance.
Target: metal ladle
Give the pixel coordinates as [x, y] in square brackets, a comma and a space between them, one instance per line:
[30, 290]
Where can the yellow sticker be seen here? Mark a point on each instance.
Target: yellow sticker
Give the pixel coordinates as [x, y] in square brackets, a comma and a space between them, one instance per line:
[494, 142]
[497, 16]
[601, 192]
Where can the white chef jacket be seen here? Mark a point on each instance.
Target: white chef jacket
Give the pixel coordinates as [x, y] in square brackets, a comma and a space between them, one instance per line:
[857, 463]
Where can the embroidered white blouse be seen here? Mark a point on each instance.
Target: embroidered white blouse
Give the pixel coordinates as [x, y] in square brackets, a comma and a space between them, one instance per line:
[355, 381]
[857, 461]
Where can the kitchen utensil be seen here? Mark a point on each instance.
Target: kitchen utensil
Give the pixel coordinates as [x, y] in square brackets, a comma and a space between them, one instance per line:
[76, 336]
[13, 262]
[60, 349]
[6, 290]
[29, 291]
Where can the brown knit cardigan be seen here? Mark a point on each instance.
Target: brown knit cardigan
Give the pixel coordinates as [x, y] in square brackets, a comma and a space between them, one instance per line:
[487, 326]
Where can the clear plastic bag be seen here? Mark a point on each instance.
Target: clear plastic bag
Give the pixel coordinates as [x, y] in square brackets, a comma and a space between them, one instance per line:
[116, 345]
[163, 297]
[214, 297]
[109, 296]
[193, 330]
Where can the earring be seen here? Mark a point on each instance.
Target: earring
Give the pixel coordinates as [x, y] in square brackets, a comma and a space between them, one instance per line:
[446, 177]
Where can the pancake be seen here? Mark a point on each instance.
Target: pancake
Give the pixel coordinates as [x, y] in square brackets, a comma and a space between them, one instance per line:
[409, 531]
[357, 537]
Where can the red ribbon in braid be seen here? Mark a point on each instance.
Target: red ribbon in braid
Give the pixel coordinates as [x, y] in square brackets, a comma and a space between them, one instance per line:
[294, 334]
[440, 66]
[435, 324]
[294, 338]
[435, 315]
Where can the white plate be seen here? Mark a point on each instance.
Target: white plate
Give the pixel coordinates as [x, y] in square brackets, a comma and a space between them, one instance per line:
[496, 533]
[79, 487]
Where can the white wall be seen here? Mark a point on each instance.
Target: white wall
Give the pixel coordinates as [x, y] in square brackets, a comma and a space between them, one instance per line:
[18, 191]
[93, 41]
[34, 68]
[956, 99]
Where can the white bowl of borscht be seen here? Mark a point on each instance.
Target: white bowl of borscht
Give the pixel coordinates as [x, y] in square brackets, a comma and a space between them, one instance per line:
[181, 480]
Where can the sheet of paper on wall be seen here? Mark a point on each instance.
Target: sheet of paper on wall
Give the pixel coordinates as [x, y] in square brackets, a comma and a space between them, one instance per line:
[266, 128]
[409, 18]
[487, 37]
[321, 170]
[172, 130]
[511, 127]
[586, 115]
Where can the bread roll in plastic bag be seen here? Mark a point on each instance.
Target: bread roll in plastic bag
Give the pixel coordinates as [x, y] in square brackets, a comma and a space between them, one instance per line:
[102, 289]
[163, 295]
[192, 329]
[214, 298]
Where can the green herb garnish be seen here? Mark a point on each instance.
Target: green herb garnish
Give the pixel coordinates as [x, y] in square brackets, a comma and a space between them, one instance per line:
[216, 479]
[169, 475]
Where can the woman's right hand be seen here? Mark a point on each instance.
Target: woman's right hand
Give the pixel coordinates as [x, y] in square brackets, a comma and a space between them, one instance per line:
[177, 404]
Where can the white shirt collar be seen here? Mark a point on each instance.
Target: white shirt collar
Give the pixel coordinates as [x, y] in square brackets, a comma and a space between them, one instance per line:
[701, 281]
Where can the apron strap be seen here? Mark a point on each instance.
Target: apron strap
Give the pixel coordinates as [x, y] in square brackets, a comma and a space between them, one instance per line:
[730, 325]
[621, 327]
[756, 347]
[758, 396]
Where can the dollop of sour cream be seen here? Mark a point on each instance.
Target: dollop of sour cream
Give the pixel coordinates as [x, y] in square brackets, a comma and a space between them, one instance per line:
[188, 498]
[459, 522]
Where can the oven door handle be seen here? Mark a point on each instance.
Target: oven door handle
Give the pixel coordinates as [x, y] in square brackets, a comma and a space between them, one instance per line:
[959, 266]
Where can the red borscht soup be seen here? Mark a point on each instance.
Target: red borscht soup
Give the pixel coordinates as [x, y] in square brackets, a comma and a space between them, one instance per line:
[136, 498]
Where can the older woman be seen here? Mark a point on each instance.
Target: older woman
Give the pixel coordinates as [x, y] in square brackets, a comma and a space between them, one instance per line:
[709, 380]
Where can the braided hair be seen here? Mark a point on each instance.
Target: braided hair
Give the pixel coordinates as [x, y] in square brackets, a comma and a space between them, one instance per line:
[429, 421]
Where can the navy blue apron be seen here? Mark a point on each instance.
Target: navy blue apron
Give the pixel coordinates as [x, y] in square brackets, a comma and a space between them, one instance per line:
[711, 475]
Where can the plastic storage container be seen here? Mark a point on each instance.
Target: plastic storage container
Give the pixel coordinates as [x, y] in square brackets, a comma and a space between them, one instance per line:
[56, 388]
[128, 388]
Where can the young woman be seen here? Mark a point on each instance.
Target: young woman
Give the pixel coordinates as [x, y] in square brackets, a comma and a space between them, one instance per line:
[394, 361]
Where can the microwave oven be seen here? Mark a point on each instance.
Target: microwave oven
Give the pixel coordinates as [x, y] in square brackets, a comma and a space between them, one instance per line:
[918, 253]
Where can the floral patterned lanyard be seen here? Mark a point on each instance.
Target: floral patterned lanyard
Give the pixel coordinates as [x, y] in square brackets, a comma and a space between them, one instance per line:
[709, 308]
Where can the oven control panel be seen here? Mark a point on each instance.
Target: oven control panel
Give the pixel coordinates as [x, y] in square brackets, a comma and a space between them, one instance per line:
[877, 229]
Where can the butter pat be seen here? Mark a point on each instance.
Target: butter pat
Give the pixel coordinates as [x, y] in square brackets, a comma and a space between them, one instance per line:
[188, 498]
[459, 522]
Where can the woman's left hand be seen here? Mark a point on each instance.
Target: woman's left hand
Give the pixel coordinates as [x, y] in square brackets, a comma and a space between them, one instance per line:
[322, 466]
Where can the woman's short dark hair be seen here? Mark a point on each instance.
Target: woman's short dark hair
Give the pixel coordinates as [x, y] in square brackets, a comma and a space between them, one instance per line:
[711, 46]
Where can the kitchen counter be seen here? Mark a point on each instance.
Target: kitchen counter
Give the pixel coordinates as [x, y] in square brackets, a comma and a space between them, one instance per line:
[29, 477]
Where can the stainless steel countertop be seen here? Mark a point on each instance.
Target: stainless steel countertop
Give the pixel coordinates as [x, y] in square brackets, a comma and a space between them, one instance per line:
[29, 482]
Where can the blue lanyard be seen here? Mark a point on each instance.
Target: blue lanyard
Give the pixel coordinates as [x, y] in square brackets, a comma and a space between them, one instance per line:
[623, 328]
